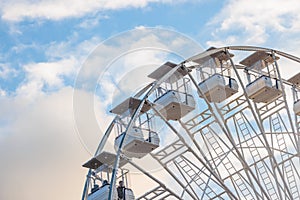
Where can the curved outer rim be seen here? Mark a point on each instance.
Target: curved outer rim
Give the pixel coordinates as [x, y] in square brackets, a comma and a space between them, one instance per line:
[243, 48]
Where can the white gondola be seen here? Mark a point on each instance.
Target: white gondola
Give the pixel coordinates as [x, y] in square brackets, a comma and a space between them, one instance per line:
[295, 80]
[135, 145]
[296, 107]
[217, 88]
[104, 161]
[262, 90]
[258, 60]
[165, 68]
[129, 194]
[102, 193]
[128, 106]
[174, 105]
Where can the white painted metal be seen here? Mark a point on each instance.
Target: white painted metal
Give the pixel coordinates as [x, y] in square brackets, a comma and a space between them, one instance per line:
[135, 145]
[101, 194]
[240, 142]
[296, 107]
[175, 105]
[217, 88]
[262, 90]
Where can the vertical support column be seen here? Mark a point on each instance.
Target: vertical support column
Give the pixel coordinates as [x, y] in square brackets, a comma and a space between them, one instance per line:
[116, 165]
[285, 100]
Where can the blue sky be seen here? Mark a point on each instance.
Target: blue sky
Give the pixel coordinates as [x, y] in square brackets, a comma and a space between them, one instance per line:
[28, 40]
[45, 43]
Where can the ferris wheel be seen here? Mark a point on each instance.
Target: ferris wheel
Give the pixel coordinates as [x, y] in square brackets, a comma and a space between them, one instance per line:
[223, 124]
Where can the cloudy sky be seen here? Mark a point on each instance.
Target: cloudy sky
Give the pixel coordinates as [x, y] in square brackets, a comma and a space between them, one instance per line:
[47, 52]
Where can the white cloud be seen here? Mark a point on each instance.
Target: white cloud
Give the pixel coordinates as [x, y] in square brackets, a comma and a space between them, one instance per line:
[73, 46]
[46, 74]
[7, 72]
[17, 10]
[2, 93]
[40, 152]
[93, 21]
[64, 59]
[21, 47]
[50, 72]
[255, 22]
[273, 24]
